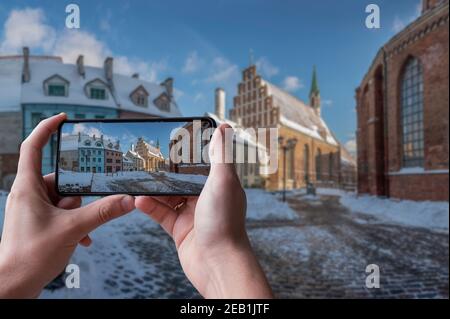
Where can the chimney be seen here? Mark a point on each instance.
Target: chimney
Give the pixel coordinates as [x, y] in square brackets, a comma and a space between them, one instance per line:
[168, 84]
[80, 65]
[135, 76]
[26, 65]
[101, 138]
[79, 137]
[93, 137]
[108, 66]
[220, 103]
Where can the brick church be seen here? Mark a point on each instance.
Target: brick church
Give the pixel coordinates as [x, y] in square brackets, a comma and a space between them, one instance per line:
[309, 149]
[403, 112]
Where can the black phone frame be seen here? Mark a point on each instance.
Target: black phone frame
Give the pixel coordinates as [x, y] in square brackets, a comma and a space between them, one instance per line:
[150, 120]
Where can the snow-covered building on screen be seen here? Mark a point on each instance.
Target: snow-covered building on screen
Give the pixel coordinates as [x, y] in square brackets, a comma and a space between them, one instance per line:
[35, 87]
[152, 157]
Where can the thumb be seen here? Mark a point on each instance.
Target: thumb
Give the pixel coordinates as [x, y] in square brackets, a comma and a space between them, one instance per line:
[220, 152]
[101, 211]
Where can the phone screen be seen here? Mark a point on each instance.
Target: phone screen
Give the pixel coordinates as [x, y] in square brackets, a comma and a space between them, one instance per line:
[141, 157]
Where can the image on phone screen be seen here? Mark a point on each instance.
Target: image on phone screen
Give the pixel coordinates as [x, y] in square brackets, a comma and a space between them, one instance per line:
[145, 157]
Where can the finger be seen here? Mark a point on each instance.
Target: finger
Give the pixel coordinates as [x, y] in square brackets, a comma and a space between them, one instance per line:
[70, 202]
[218, 149]
[171, 201]
[160, 212]
[86, 241]
[30, 160]
[49, 181]
[87, 218]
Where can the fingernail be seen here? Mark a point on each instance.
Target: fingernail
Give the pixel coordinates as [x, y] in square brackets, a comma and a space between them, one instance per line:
[127, 203]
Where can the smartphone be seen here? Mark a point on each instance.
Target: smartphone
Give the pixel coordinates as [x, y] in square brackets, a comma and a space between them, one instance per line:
[133, 156]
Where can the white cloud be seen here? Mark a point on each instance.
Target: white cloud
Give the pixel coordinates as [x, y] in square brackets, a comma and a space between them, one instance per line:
[223, 72]
[292, 83]
[192, 63]
[71, 43]
[398, 24]
[266, 68]
[27, 27]
[351, 146]
[199, 97]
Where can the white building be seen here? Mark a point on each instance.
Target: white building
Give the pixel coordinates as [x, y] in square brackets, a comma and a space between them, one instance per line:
[35, 87]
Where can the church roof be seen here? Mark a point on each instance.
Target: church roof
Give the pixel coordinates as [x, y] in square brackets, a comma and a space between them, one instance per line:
[298, 116]
[314, 84]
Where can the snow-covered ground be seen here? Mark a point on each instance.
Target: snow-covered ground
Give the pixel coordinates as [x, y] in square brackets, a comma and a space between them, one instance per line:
[117, 264]
[262, 205]
[129, 182]
[434, 215]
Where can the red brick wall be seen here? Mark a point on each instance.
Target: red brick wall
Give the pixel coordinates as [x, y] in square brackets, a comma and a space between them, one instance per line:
[426, 40]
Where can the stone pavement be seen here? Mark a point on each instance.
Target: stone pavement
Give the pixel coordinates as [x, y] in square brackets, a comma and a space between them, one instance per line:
[325, 255]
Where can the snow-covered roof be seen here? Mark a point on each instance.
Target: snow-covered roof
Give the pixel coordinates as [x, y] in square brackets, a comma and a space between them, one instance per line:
[126, 159]
[14, 93]
[69, 143]
[298, 116]
[10, 80]
[347, 158]
[94, 142]
[112, 145]
[242, 136]
[133, 154]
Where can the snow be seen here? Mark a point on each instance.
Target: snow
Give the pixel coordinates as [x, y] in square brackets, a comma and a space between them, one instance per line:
[427, 214]
[418, 171]
[10, 79]
[296, 126]
[14, 93]
[74, 178]
[134, 181]
[299, 116]
[262, 205]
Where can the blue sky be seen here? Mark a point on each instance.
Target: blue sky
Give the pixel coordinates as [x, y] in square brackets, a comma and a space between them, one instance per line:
[205, 44]
[127, 133]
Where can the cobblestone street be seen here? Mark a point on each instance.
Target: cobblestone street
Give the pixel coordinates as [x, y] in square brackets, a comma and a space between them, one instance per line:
[321, 254]
[325, 255]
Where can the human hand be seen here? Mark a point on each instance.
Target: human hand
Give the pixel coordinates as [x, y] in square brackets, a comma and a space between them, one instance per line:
[41, 230]
[209, 232]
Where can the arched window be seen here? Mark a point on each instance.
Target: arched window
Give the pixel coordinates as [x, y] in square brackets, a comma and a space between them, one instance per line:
[290, 173]
[412, 114]
[330, 166]
[306, 162]
[319, 165]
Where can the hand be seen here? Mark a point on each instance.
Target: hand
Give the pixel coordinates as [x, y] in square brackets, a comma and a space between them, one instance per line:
[41, 230]
[209, 232]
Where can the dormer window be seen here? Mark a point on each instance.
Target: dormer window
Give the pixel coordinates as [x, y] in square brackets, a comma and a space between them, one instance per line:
[87, 143]
[56, 85]
[140, 96]
[98, 144]
[98, 94]
[162, 102]
[96, 90]
[57, 90]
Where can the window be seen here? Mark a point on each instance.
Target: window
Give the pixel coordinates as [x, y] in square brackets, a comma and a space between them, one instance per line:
[330, 166]
[141, 100]
[36, 118]
[82, 168]
[98, 94]
[290, 172]
[306, 162]
[412, 114]
[56, 90]
[99, 169]
[79, 116]
[319, 165]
